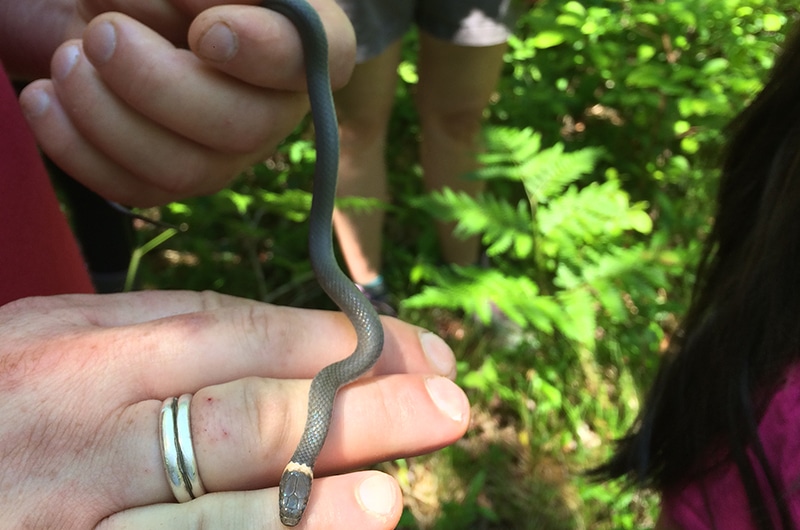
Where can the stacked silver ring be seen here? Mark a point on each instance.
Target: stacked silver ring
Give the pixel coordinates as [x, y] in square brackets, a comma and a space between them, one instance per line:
[177, 451]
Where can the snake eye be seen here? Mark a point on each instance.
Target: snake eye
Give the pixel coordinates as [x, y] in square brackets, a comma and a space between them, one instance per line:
[294, 490]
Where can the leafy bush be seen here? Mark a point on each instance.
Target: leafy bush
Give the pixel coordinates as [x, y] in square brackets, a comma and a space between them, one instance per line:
[563, 256]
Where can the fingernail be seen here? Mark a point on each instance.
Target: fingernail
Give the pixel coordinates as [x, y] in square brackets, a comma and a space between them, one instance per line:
[439, 354]
[34, 102]
[64, 61]
[378, 495]
[447, 397]
[218, 44]
[100, 42]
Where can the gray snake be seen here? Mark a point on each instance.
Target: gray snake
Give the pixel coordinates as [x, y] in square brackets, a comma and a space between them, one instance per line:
[295, 484]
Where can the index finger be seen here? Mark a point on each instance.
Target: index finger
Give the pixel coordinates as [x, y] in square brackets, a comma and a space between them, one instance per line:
[180, 341]
[182, 353]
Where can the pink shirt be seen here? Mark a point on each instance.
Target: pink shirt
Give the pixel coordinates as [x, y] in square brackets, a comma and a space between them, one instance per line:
[38, 253]
[719, 501]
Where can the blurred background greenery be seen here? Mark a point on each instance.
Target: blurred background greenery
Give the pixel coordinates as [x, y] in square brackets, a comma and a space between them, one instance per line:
[603, 142]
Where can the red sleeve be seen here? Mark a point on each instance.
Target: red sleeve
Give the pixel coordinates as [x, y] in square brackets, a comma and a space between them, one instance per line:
[38, 253]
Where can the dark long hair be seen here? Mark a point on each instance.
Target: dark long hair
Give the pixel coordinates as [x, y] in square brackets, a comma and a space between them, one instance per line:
[742, 330]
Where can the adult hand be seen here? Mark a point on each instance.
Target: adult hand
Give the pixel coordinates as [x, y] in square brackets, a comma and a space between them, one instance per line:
[82, 379]
[144, 122]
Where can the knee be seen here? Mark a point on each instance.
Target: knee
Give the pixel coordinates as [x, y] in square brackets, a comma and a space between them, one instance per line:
[461, 125]
[361, 132]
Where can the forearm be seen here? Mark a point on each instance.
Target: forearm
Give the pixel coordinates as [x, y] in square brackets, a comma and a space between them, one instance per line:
[30, 30]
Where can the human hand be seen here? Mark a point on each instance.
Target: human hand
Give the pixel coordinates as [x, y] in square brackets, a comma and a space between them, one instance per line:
[144, 122]
[82, 378]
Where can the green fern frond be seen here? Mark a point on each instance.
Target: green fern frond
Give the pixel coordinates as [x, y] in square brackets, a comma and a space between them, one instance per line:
[611, 273]
[547, 174]
[580, 308]
[584, 216]
[507, 149]
[477, 291]
[517, 155]
[502, 227]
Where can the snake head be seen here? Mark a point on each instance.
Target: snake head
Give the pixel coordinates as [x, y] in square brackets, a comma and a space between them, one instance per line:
[295, 488]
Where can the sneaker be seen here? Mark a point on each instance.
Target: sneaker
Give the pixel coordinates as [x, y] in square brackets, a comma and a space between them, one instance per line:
[379, 297]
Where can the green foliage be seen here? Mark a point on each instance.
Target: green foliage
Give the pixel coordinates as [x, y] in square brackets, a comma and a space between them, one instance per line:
[565, 260]
[465, 513]
[653, 83]
[594, 221]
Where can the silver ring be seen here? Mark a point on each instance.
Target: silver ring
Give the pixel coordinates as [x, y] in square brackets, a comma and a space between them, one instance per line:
[177, 451]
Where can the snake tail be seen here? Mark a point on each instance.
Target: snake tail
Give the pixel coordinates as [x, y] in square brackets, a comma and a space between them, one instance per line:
[295, 484]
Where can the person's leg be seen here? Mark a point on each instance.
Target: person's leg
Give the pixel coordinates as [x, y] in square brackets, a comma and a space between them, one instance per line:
[455, 85]
[364, 107]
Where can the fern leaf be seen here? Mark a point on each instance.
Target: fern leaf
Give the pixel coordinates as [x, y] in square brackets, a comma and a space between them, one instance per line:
[507, 151]
[517, 155]
[502, 226]
[612, 273]
[547, 174]
[581, 323]
[580, 217]
[476, 291]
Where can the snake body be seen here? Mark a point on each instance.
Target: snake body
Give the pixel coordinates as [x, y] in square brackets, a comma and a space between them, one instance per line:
[295, 484]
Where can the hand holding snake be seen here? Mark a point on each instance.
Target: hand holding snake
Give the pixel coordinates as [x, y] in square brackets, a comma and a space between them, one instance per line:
[84, 377]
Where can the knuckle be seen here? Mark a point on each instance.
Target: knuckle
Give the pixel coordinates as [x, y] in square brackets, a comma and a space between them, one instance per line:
[275, 417]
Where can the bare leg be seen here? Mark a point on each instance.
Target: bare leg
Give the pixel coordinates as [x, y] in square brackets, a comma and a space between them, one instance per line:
[455, 85]
[364, 107]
